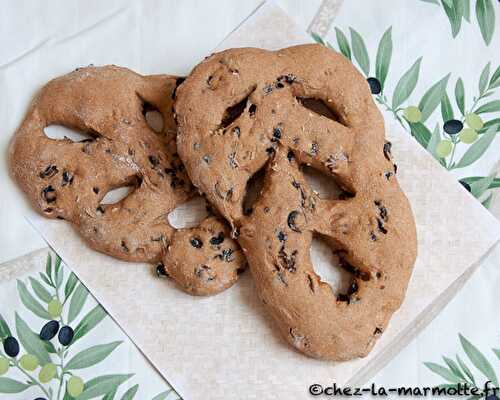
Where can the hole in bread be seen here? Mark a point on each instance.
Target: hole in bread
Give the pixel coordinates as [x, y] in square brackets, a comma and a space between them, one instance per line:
[253, 189]
[318, 107]
[328, 266]
[115, 195]
[189, 214]
[60, 132]
[324, 185]
[232, 113]
[153, 117]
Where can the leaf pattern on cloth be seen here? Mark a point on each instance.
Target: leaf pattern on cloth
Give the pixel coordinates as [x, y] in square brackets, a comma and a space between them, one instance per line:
[51, 367]
[459, 10]
[466, 124]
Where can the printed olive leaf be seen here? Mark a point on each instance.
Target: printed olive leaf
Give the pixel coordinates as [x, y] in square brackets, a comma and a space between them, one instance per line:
[91, 356]
[472, 179]
[475, 151]
[42, 293]
[480, 186]
[31, 342]
[465, 4]
[70, 285]
[433, 142]
[487, 125]
[59, 272]
[30, 303]
[343, 43]
[485, 14]
[454, 14]
[48, 267]
[10, 386]
[495, 79]
[446, 108]
[487, 202]
[431, 1]
[479, 360]
[359, 51]
[406, 84]
[89, 322]
[45, 279]
[497, 353]
[130, 394]
[421, 133]
[492, 106]
[163, 395]
[77, 302]
[432, 98]
[460, 95]
[483, 79]
[102, 385]
[466, 369]
[383, 59]
[317, 38]
[4, 328]
[443, 372]
[110, 395]
[453, 366]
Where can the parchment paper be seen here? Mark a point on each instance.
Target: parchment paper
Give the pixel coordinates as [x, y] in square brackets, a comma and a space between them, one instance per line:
[225, 346]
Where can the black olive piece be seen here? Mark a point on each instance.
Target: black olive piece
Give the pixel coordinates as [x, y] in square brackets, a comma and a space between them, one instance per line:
[277, 133]
[252, 109]
[381, 227]
[395, 168]
[377, 331]
[49, 194]
[207, 158]
[268, 89]
[226, 255]
[216, 240]
[353, 288]
[237, 131]
[95, 190]
[49, 330]
[388, 175]
[196, 242]
[290, 155]
[154, 160]
[282, 236]
[49, 172]
[67, 178]
[387, 150]
[314, 148]
[270, 151]
[11, 346]
[124, 246]
[375, 86]
[373, 237]
[291, 221]
[161, 271]
[465, 185]
[453, 126]
[65, 335]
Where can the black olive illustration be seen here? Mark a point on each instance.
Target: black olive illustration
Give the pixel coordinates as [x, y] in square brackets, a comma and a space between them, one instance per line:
[66, 335]
[375, 85]
[49, 330]
[40, 398]
[453, 126]
[11, 346]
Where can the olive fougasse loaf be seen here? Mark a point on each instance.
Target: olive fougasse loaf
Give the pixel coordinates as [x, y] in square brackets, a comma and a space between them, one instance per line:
[242, 111]
[68, 180]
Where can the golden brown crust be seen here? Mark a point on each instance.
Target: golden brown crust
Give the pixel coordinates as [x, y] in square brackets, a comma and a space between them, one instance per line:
[242, 110]
[68, 180]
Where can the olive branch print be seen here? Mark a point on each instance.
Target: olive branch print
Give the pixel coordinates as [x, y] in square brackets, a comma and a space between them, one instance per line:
[460, 10]
[467, 130]
[459, 373]
[48, 362]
